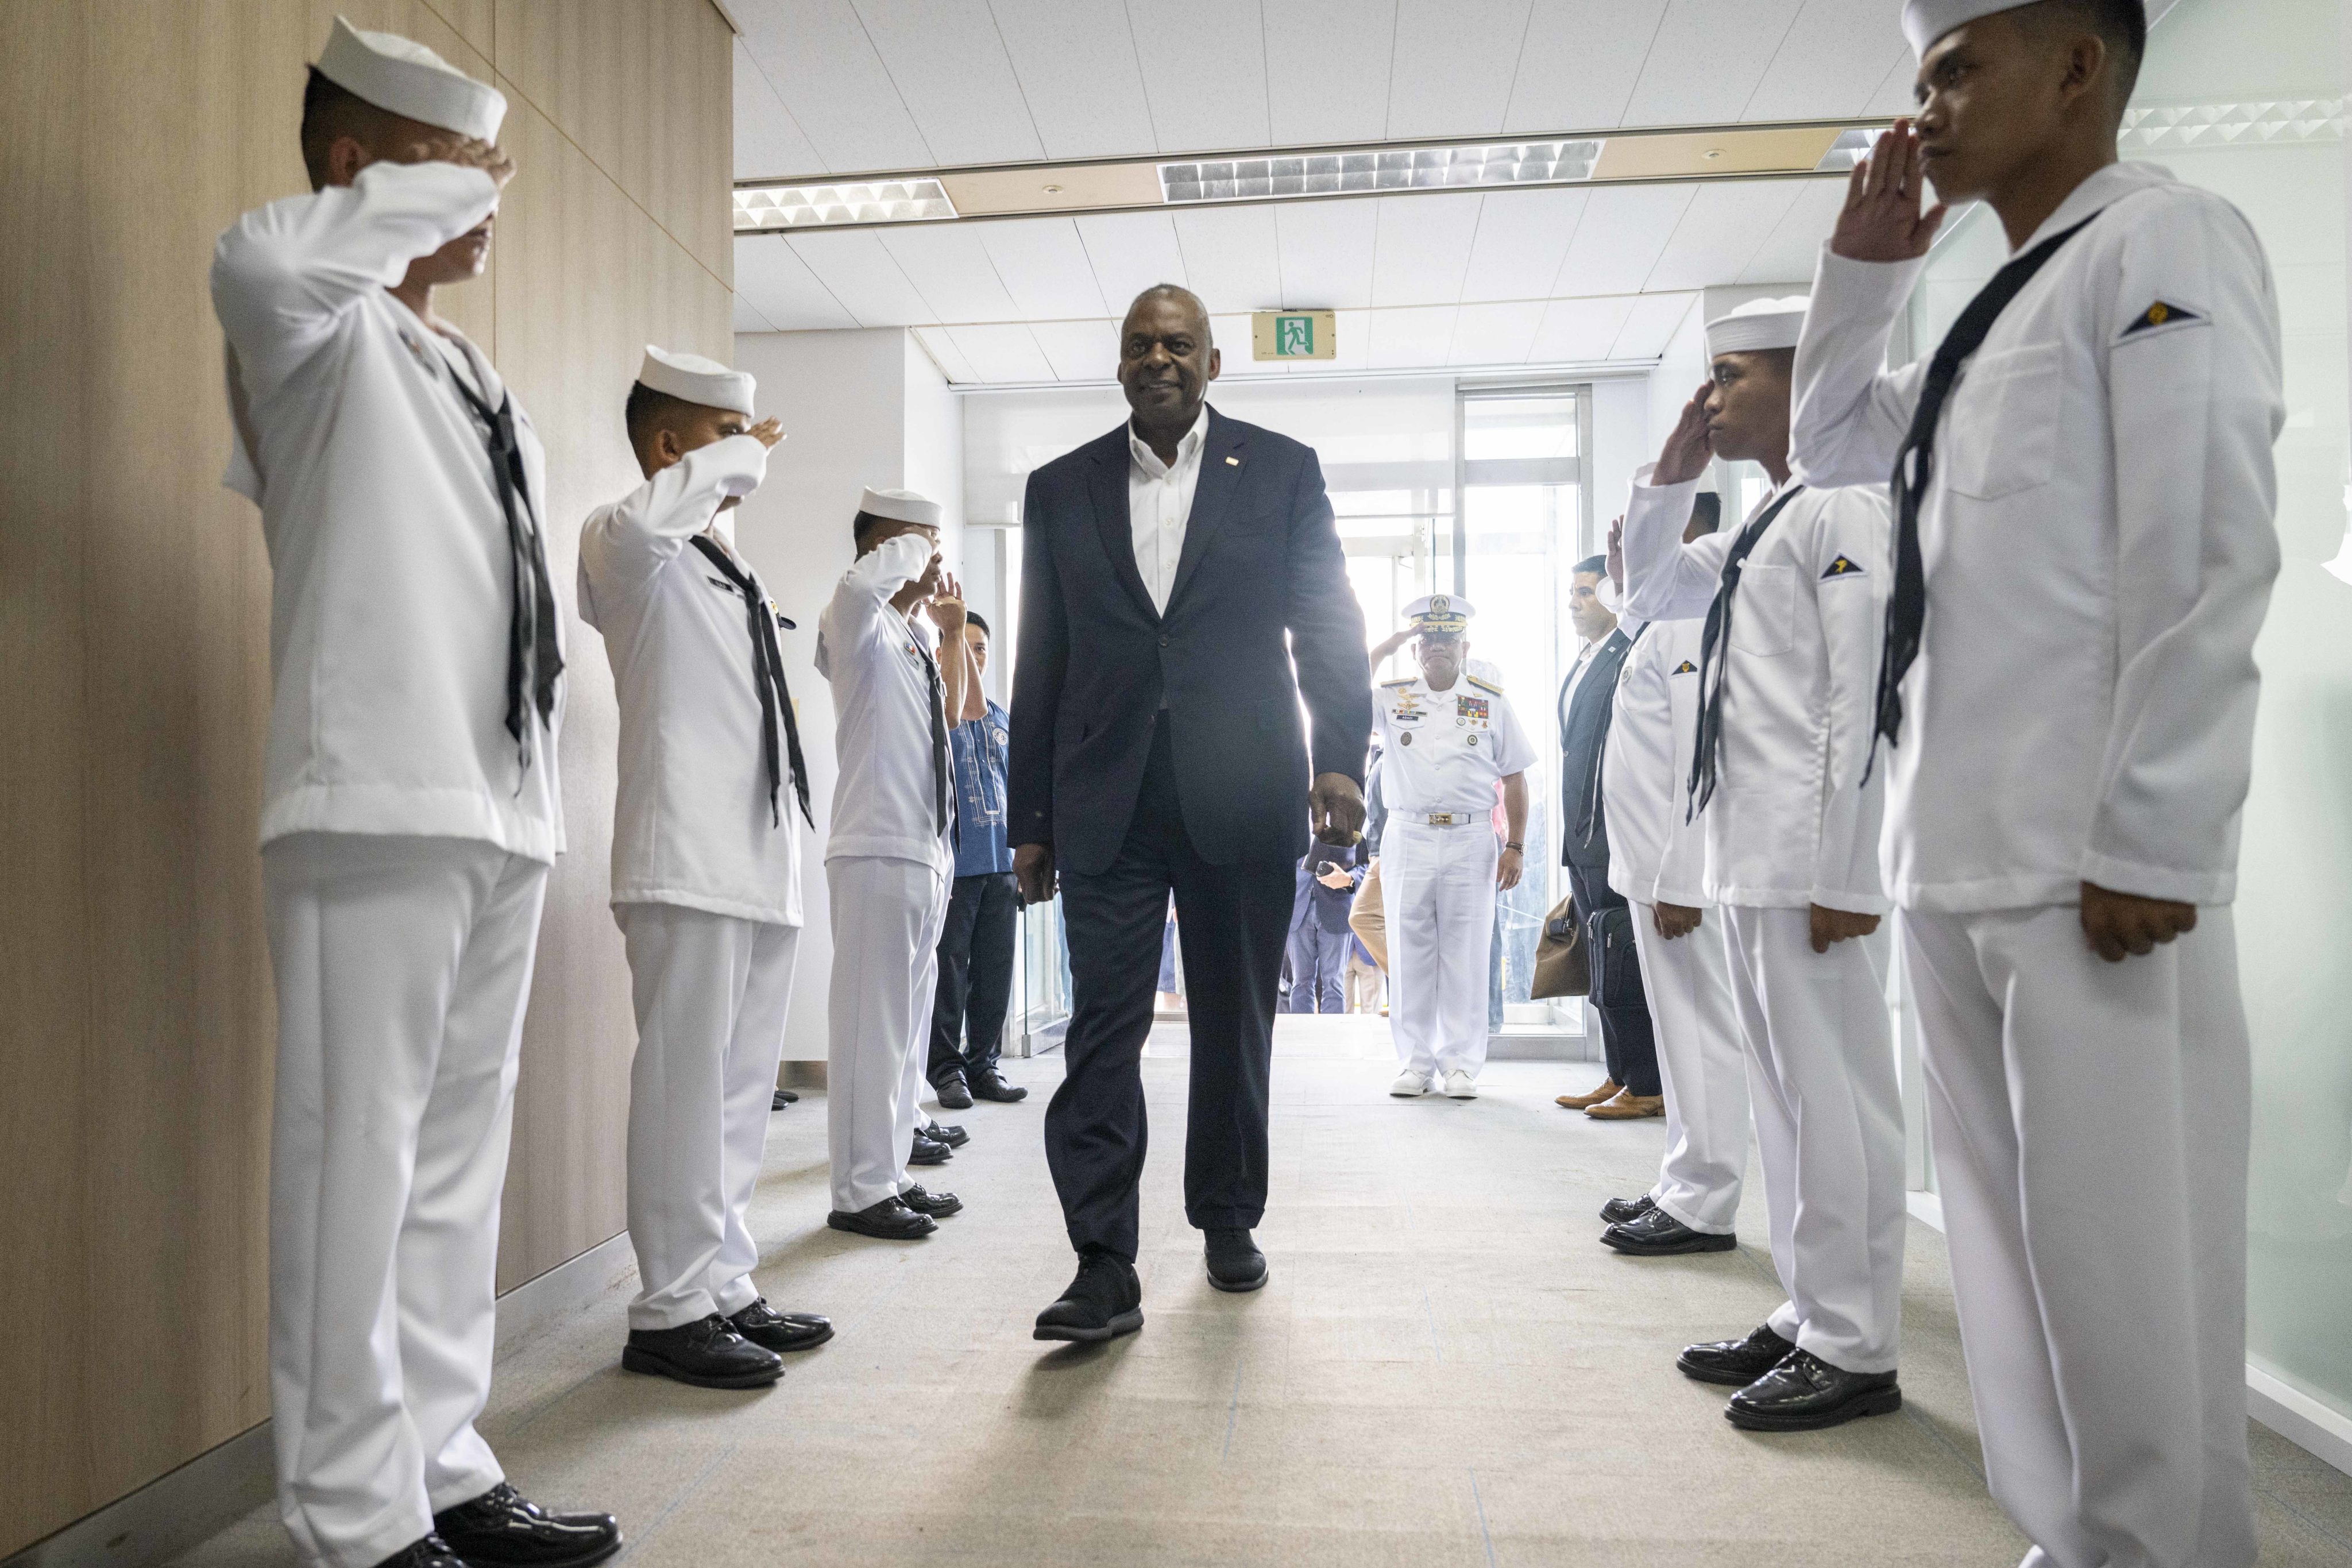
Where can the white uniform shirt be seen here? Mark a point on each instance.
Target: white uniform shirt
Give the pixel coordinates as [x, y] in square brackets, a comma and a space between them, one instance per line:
[1444, 750]
[2099, 541]
[1160, 506]
[1790, 822]
[692, 824]
[1655, 856]
[392, 585]
[877, 660]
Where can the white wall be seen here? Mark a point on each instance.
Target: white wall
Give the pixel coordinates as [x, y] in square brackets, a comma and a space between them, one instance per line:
[1621, 444]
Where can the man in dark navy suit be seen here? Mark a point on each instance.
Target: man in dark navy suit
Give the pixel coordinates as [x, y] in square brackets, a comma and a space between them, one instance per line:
[1182, 591]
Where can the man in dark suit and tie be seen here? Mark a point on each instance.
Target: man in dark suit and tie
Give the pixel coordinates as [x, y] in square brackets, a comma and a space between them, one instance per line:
[1182, 591]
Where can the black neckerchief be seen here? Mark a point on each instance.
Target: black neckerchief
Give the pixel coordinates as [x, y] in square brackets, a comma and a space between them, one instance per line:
[768, 675]
[1714, 654]
[534, 662]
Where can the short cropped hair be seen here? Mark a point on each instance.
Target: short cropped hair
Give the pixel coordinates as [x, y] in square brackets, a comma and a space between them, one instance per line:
[329, 110]
[2121, 25]
[1707, 508]
[974, 618]
[648, 413]
[1596, 564]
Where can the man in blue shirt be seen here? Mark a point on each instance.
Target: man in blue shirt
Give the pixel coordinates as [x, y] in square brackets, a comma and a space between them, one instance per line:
[983, 910]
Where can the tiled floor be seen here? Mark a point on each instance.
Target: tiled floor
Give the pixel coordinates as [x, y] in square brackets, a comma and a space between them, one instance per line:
[1446, 1372]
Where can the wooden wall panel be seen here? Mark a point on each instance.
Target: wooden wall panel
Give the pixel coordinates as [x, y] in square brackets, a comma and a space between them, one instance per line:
[136, 1021]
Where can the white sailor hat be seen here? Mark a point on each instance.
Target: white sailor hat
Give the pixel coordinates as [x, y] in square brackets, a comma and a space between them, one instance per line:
[1758, 325]
[1925, 21]
[900, 506]
[407, 78]
[1442, 612]
[691, 378]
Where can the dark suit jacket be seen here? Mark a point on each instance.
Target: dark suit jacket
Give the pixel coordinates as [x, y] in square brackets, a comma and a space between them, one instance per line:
[1261, 588]
[1583, 733]
[1326, 907]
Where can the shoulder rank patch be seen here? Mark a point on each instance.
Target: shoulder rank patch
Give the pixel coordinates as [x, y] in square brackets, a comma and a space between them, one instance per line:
[1843, 566]
[2162, 314]
[1686, 667]
[1483, 685]
[1393, 685]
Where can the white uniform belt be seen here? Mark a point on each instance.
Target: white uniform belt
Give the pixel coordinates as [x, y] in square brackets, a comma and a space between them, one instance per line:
[1441, 818]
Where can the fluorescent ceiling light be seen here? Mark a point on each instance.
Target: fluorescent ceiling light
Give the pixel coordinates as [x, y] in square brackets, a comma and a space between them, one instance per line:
[2158, 127]
[1280, 177]
[1851, 148]
[908, 200]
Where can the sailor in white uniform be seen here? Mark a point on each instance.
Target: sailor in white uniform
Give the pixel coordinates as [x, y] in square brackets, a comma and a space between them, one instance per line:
[2086, 519]
[1449, 736]
[1793, 601]
[891, 859]
[1657, 860]
[410, 809]
[706, 866]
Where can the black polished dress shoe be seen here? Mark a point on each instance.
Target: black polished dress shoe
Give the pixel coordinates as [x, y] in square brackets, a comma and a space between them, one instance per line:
[1805, 1394]
[782, 1332]
[954, 1094]
[889, 1220]
[928, 1151]
[1235, 1262]
[782, 1098]
[1735, 1363]
[988, 1084]
[954, 1137]
[939, 1205]
[432, 1551]
[1617, 1211]
[502, 1529]
[1657, 1233]
[1103, 1302]
[707, 1354]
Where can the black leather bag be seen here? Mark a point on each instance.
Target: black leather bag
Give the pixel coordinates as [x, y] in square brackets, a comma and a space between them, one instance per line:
[1616, 967]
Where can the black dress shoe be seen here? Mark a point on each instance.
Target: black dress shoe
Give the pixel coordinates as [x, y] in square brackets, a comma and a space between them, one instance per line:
[928, 1151]
[430, 1552]
[1103, 1302]
[1735, 1363]
[954, 1137]
[889, 1220]
[782, 1098]
[953, 1093]
[707, 1354]
[1805, 1394]
[782, 1332]
[939, 1205]
[1617, 1211]
[1235, 1262]
[1657, 1233]
[988, 1084]
[502, 1529]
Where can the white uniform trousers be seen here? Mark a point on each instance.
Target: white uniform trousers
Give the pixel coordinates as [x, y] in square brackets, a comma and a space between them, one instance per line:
[887, 915]
[2090, 1124]
[1437, 892]
[712, 992]
[1703, 1067]
[1829, 1129]
[402, 964]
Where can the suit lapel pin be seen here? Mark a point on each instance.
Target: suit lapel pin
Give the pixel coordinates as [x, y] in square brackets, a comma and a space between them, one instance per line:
[1232, 462]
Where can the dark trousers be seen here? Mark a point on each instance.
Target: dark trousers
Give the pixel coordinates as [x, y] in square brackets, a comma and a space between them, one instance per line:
[1235, 919]
[1626, 1042]
[1319, 968]
[975, 975]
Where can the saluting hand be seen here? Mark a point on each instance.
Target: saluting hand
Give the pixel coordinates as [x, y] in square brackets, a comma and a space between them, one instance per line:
[1617, 554]
[1688, 447]
[2116, 924]
[468, 154]
[1882, 220]
[946, 606]
[768, 432]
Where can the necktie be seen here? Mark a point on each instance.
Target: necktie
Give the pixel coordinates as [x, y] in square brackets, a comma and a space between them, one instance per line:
[1906, 606]
[938, 691]
[1713, 655]
[1588, 817]
[768, 675]
[534, 662]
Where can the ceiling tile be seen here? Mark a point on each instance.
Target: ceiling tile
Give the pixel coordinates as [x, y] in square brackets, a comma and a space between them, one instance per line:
[1008, 353]
[1496, 334]
[1836, 56]
[946, 355]
[768, 142]
[1522, 237]
[1453, 72]
[1078, 351]
[1706, 60]
[1231, 333]
[1347, 45]
[1352, 342]
[1581, 59]
[1720, 233]
[744, 317]
[1424, 248]
[952, 71]
[1650, 324]
[949, 265]
[1131, 252]
[1789, 252]
[857, 270]
[1230, 258]
[1575, 330]
[1895, 95]
[1207, 83]
[1415, 335]
[1077, 69]
[1044, 267]
[816, 55]
[1623, 232]
[780, 286]
[1326, 250]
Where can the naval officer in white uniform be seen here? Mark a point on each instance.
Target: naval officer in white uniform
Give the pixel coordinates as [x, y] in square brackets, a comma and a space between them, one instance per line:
[409, 811]
[1789, 657]
[1449, 736]
[706, 866]
[891, 859]
[2087, 532]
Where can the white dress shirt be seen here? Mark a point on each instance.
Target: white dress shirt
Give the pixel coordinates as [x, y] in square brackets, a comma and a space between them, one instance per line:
[1655, 856]
[1160, 506]
[2099, 540]
[392, 587]
[879, 664]
[1443, 750]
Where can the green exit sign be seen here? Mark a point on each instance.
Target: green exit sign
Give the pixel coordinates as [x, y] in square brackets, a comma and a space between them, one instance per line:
[1292, 334]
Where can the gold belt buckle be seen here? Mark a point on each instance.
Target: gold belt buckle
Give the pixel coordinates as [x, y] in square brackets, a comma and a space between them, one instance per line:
[1440, 819]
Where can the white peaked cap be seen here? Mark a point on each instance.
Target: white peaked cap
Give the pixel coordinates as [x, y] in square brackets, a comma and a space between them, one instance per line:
[405, 77]
[1758, 325]
[1925, 21]
[1440, 611]
[900, 506]
[691, 378]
